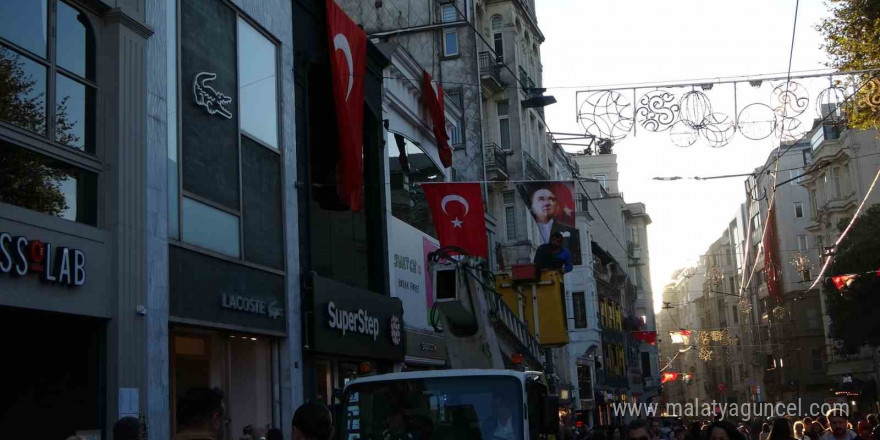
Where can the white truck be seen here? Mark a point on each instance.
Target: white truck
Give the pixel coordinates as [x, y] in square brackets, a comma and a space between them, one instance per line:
[459, 404]
[475, 400]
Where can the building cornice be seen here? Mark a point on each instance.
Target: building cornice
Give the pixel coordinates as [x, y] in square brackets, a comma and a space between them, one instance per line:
[116, 15]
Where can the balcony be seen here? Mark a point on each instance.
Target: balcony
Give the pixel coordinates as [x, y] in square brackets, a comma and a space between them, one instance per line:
[509, 321]
[524, 81]
[496, 161]
[535, 171]
[490, 75]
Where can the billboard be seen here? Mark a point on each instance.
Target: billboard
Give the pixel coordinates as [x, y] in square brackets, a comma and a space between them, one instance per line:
[552, 207]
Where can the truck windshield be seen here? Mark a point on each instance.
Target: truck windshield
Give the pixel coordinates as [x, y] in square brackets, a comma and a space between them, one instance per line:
[460, 408]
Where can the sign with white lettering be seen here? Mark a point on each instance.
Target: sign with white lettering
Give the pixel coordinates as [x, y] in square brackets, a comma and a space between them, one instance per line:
[20, 256]
[252, 305]
[355, 322]
[410, 278]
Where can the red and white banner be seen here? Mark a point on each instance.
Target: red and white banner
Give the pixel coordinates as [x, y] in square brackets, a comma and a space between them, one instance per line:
[437, 110]
[348, 53]
[457, 210]
[680, 337]
[771, 270]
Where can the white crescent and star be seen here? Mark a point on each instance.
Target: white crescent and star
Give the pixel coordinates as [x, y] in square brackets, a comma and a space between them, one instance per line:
[456, 223]
[341, 43]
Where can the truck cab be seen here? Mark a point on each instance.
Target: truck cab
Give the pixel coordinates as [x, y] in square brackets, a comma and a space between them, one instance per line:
[460, 404]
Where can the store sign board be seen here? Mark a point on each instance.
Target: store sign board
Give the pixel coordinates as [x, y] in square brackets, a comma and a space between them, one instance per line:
[213, 290]
[354, 322]
[408, 250]
[20, 256]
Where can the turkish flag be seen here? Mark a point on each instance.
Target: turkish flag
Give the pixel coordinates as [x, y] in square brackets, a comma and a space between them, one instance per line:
[646, 336]
[437, 110]
[457, 210]
[348, 53]
[843, 281]
[668, 377]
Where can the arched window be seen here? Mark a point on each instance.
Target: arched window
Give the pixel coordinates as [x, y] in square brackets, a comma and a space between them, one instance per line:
[409, 165]
[497, 37]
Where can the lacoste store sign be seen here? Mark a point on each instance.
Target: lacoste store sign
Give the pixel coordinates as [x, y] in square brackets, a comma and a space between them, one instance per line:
[55, 265]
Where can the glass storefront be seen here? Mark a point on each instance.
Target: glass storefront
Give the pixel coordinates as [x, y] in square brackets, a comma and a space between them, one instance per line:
[52, 375]
[239, 364]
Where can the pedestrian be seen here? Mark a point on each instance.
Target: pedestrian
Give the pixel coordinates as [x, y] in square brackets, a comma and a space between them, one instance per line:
[695, 430]
[723, 430]
[201, 415]
[865, 430]
[679, 433]
[872, 421]
[799, 431]
[765, 431]
[312, 421]
[274, 434]
[781, 430]
[816, 430]
[837, 419]
[639, 429]
[127, 428]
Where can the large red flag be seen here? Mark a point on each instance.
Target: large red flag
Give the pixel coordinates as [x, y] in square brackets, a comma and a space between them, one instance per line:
[457, 210]
[436, 108]
[646, 336]
[771, 271]
[348, 52]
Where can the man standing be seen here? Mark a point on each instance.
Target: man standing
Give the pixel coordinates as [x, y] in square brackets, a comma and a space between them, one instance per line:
[553, 256]
[837, 419]
[200, 415]
[312, 421]
[638, 430]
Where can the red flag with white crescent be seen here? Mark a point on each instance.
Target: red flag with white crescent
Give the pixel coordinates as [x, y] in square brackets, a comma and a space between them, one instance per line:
[436, 108]
[646, 336]
[457, 210]
[348, 53]
[668, 377]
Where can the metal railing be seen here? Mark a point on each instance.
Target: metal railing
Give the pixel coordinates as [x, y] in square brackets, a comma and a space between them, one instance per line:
[513, 324]
[490, 66]
[495, 157]
[534, 170]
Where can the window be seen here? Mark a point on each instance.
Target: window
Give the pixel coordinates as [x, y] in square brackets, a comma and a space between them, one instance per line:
[602, 180]
[823, 185]
[503, 125]
[812, 318]
[816, 359]
[448, 14]
[454, 131]
[796, 176]
[258, 100]
[646, 364]
[580, 310]
[47, 48]
[408, 167]
[799, 209]
[498, 38]
[835, 187]
[450, 42]
[509, 214]
[808, 158]
[802, 243]
[820, 247]
[735, 314]
[813, 204]
[229, 165]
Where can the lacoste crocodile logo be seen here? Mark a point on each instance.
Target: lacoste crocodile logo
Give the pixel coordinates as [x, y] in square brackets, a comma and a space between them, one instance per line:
[212, 100]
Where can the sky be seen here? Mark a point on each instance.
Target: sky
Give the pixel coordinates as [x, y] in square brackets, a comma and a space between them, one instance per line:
[591, 43]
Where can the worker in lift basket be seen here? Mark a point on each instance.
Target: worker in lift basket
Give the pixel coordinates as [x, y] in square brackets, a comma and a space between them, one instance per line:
[553, 256]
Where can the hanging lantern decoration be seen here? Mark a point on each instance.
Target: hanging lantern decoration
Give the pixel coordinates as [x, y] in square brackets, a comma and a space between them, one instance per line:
[606, 115]
[745, 305]
[829, 104]
[779, 312]
[705, 354]
[704, 337]
[694, 108]
[657, 110]
[717, 335]
[716, 275]
[682, 135]
[756, 121]
[789, 99]
[790, 130]
[718, 129]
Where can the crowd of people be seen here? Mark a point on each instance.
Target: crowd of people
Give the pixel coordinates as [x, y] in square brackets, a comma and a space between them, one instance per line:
[835, 425]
